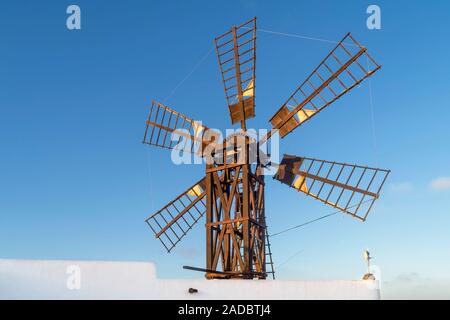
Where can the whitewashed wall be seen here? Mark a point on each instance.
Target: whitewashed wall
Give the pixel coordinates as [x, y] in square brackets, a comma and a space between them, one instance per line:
[43, 279]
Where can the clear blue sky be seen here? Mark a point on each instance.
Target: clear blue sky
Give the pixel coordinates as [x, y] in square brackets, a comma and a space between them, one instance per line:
[76, 182]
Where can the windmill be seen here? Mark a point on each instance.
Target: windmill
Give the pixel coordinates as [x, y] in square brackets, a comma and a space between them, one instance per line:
[230, 197]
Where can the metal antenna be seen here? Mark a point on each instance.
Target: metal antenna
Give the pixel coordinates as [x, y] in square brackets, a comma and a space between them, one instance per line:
[367, 257]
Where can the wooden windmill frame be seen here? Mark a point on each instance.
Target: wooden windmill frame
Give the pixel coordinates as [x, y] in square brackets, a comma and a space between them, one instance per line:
[231, 195]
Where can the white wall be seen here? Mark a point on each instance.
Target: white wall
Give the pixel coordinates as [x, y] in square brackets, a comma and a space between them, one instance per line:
[43, 279]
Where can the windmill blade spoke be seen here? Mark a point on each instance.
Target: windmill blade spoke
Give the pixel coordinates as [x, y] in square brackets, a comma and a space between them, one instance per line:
[170, 129]
[171, 223]
[350, 188]
[236, 52]
[345, 67]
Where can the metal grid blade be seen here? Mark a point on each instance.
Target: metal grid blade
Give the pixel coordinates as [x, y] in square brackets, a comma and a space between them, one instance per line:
[236, 52]
[345, 67]
[350, 188]
[170, 129]
[172, 222]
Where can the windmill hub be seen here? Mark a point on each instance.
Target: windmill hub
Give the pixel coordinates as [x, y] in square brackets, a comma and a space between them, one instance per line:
[231, 195]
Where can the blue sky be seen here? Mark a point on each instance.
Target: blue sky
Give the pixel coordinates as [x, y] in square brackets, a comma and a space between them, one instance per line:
[76, 182]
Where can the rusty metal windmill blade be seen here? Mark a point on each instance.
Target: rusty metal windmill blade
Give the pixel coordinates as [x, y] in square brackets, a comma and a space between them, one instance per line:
[171, 223]
[349, 188]
[236, 53]
[345, 67]
[167, 128]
